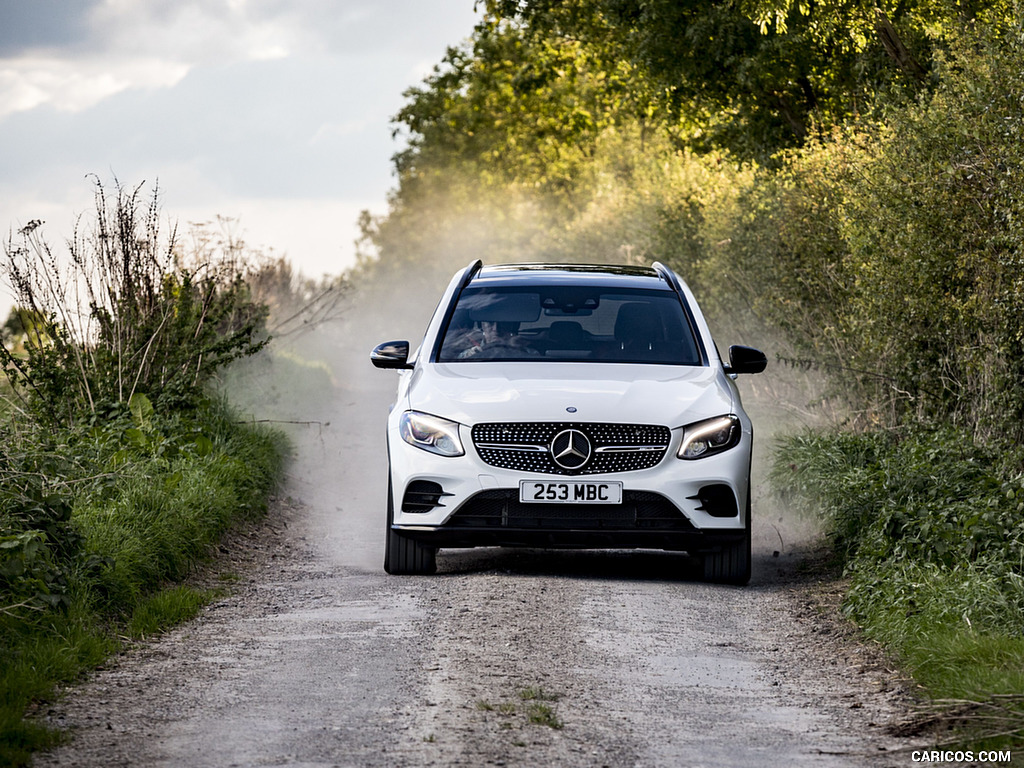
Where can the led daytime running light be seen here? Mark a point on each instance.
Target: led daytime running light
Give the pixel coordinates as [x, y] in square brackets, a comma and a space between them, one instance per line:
[709, 437]
[431, 433]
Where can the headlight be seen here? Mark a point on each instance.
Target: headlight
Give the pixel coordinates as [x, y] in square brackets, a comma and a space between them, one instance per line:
[431, 433]
[710, 436]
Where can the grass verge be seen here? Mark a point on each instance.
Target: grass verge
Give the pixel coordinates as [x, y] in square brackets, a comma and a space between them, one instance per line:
[141, 508]
[930, 528]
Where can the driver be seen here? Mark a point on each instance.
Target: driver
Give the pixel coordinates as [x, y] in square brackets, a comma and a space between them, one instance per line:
[493, 339]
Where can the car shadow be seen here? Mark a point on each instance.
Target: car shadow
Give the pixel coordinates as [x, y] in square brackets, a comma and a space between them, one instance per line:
[605, 564]
[639, 565]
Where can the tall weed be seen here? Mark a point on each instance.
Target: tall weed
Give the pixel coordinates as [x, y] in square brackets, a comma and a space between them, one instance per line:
[122, 313]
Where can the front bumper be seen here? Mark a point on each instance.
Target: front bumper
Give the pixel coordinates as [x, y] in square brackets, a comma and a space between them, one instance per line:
[668, 506]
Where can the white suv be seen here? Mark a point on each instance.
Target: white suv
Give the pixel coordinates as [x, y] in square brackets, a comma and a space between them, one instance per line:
[568, 406]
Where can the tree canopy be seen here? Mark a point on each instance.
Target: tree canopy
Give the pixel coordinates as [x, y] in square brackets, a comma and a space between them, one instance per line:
[758, 75]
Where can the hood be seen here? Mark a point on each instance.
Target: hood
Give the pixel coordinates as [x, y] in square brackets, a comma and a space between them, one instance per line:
[476, 392]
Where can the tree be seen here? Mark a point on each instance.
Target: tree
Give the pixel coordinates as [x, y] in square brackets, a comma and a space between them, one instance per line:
[22, 327]
[514, 109]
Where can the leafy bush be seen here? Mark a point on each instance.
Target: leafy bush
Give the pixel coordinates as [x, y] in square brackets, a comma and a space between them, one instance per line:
[892, 252]
[927, 495]
[935, 223]
[39, 543]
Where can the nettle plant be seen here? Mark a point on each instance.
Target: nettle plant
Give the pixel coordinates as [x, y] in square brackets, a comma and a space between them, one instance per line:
[126, 311]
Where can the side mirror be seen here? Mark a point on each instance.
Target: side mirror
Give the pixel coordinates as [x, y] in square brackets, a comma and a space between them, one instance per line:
[391, 354]
[745, 360]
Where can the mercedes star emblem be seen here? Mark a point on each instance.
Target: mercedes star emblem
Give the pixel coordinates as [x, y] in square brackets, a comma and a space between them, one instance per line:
[570, 449]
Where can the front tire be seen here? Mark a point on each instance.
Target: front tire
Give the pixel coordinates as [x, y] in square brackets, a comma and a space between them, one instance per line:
[731, 565]
[402, 555]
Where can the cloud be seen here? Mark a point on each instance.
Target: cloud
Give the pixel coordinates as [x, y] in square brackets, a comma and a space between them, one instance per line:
[197, 32]
[117, 45]
[73, 54]
[33, 82]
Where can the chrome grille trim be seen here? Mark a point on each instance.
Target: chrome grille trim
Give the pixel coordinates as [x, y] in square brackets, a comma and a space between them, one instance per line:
[512, 447]
[629, 448]
[525, 446]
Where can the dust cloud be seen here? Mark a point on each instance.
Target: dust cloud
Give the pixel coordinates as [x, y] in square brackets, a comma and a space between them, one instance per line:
[320, 389]
[781, 401]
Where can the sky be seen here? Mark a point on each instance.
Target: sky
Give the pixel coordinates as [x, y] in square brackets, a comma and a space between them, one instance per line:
[272, 113]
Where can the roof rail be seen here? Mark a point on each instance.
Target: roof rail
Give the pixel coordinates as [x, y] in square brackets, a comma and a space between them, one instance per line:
[668, 276]
[469, 273]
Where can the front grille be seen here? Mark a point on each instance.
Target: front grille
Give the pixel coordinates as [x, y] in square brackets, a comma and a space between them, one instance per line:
[525, 446]
[639, 510]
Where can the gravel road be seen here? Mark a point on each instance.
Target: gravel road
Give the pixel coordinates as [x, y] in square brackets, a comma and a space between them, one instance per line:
[517, 658]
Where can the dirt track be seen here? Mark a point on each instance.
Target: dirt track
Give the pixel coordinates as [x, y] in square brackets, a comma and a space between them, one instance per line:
[317, 658]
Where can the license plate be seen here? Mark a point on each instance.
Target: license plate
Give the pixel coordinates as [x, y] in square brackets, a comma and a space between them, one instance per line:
[569, 492]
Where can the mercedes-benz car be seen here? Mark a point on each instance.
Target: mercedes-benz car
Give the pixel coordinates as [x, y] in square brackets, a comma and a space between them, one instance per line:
[568, 406]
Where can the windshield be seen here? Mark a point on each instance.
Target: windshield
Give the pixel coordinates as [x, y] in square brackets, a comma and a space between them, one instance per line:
[569, 324]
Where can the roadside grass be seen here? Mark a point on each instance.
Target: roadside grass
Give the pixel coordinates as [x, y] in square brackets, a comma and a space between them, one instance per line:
[539, 713]
[163, 517]
[36, 659]
[930, 528]
[168, 608]
[535, 705]
[142, 516]
[961, 664]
